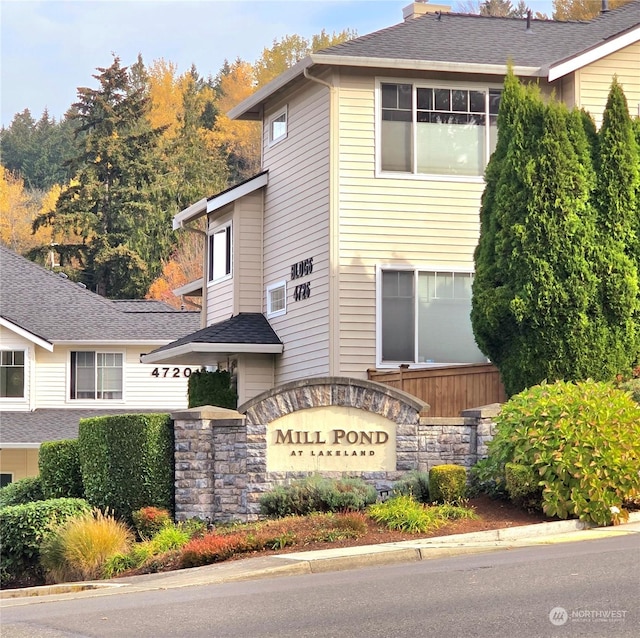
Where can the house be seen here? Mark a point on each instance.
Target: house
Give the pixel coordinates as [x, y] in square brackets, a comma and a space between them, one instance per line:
[353, 248]
[67, 353]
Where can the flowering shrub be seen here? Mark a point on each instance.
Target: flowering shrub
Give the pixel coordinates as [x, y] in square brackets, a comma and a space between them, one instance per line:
[212, 548]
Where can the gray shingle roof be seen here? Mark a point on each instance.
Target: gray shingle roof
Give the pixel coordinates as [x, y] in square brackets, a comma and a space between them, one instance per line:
[245, 327]
[57, 309]
[462, 38]
[48, 424]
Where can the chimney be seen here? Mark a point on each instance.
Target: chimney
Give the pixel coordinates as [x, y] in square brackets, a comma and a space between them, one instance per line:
[605, 6]
[417, 9]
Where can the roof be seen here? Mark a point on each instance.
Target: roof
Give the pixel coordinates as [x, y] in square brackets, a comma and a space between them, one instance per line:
[215, 202]
[53, 308]
[244, 332]
[464, 43]
[29, 429]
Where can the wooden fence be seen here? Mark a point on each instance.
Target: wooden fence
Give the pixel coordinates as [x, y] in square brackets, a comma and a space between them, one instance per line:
[448, 390]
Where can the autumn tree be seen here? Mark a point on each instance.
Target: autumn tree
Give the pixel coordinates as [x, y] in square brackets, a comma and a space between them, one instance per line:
[111, 205]
[581, 9]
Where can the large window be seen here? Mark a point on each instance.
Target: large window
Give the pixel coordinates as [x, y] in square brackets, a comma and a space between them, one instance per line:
[435, 130]
[220, 254]
[96, 375]
[11, 374]
[425, 317]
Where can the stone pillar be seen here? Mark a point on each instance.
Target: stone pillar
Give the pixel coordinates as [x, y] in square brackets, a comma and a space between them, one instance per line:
[485, 421]
[195, 459]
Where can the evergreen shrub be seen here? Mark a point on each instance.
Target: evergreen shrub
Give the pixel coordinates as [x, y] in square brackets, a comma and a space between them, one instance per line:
[22, 530]
[581, 441]
[127, 462]
[211, 388]
[414, 483]
[521, 485]
[23, 491]
[448, 483]
[317, 494]
[59, 467]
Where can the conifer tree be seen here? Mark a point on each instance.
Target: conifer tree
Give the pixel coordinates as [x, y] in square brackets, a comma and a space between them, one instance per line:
[111, 204]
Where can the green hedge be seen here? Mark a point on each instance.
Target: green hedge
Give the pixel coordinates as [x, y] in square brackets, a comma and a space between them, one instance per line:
[23, 491]
[211, 388]
[127, 462]
[22, 529]
[59, 466]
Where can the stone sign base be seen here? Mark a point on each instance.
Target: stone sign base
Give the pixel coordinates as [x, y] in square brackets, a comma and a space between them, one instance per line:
[226, 459]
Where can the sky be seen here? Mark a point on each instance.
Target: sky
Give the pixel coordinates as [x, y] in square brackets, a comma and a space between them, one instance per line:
[51, 47]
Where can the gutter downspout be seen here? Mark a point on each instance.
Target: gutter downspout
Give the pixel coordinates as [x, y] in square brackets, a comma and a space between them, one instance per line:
[334, 225]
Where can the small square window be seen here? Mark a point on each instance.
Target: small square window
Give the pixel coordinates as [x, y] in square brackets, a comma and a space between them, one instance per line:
[278, 126]
[277, 299]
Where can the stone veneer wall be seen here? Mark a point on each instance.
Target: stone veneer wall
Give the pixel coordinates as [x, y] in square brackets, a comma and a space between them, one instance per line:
[220, 455]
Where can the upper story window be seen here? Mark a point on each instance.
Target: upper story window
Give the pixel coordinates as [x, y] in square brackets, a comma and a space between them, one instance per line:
[220, 254]
[425, 317]
[12, 374]
[434, 130]
[277, 299]
[278, 126]
[96, 375]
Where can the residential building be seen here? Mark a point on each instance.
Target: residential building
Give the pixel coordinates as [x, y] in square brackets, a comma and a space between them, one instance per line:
[68, 353]
[353, 248]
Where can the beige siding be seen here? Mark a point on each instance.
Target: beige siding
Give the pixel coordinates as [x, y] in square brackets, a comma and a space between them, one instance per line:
[594, 81]
[142, 390]
[296, 227]
[9, 340]
[220, 295]
[248, 253]
[20, 462]
[256, 374]
[419, 222]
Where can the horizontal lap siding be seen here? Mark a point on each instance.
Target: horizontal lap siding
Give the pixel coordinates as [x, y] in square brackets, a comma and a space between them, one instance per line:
[255, 376]
[296, 227]
[248, 255]
[595, 81]
[220, 296]
[414, 222]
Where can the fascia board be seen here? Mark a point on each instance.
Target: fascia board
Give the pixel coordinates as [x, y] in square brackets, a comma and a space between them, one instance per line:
[563, 67]
[39, 341]
[211, 348]
[189, 214]
[215, 203]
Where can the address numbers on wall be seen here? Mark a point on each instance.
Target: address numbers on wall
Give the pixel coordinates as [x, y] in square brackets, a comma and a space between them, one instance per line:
[175, 373]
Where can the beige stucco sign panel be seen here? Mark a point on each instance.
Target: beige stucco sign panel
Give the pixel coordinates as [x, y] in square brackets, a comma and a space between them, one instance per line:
[331, 439]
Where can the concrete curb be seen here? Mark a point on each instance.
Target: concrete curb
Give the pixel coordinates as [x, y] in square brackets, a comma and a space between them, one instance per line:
[312, 562]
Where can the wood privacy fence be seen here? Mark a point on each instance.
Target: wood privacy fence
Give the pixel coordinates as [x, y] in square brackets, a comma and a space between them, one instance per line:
[447, 390]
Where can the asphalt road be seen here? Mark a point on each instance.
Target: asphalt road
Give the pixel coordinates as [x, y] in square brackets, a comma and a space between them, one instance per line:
[587, 588]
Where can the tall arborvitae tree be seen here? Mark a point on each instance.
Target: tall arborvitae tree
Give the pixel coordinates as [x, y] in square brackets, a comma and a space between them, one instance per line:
[536, 307]
[618, 170]
[111, 203]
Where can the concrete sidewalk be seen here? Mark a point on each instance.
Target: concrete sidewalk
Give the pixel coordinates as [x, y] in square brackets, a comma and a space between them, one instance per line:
[319, 561]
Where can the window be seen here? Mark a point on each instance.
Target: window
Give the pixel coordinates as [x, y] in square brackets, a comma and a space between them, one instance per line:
[278, 126]
[434, 130]
[425, 317]
[96, 375]
[5, 479]
[11, 374]
[277, 299]
[220, 254]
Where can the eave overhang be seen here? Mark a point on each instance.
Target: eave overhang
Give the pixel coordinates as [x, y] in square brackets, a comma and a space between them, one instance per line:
[22, 332]
[207, 353]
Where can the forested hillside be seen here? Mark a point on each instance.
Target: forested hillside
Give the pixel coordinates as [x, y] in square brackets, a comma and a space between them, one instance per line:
[94, 193]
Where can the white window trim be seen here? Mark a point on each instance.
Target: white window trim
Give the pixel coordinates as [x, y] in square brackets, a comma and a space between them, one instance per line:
[270, 288]
[275, 140]
[25, 381]
[213, 231]
[418, 268]
[415, 82]
[94, 402]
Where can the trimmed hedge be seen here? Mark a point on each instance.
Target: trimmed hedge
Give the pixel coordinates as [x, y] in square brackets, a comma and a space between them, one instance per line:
[127, 462]
[211, 388]
[22, 529]
[59, 466]
[22, 491]
[448, 483]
